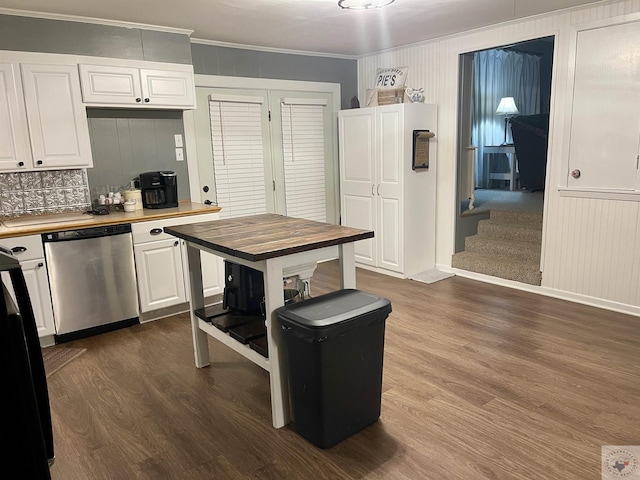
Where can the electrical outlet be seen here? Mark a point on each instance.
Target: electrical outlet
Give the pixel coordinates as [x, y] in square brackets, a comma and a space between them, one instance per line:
[179, 155]
[178, 140]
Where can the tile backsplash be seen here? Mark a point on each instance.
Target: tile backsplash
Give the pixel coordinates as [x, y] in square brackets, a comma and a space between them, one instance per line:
[52, 191]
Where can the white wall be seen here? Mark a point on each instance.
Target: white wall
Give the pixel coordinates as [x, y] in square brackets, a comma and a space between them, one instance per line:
[591, 246]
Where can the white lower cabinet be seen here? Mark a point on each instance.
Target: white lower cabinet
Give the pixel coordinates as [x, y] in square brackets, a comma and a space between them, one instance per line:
[160, 277]
[162, 268]
[29, 251]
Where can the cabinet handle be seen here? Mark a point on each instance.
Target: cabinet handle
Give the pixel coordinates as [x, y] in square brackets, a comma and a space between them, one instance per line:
[18, 250]
[378, 189]
[575, 173]
[146, 100]
[138, 99]
[40, 264]
[21, 164]
[39, 162]
[155, 231]
[175, 244]
[207, 202]
[373, 190]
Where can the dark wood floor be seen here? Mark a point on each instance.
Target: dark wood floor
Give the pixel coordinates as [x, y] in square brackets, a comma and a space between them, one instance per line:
[480, 382]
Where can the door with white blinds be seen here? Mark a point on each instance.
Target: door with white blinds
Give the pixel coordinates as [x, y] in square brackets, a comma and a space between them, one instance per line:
[268, 151]
[303, 157]
[303, 142]
[238, 146]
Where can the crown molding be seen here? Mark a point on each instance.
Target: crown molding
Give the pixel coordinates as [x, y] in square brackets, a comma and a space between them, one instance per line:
[216, 43]
[97, 21]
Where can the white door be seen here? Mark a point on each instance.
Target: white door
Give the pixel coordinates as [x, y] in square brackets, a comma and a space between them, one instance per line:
[358, 177]
[57, 118]
[390, 155]
[15, 153]
[160, 277]
[303, 163]
[605, 125]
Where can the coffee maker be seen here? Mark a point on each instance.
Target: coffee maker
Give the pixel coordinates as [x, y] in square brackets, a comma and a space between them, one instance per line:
[159, 189]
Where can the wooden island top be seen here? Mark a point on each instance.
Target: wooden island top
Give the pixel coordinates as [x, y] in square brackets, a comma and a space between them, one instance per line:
[260, 237]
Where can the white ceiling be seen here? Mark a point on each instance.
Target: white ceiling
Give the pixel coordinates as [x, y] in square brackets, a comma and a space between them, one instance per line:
[304, 25]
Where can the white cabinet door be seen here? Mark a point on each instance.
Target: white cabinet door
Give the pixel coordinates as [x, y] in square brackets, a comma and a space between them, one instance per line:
[28, 250]
[15, 153]
[110, 85]
[389, 131]
[57, 119]
[160, 277]
[167, 88]
[358, 178]
[35, 275]
[605, 124]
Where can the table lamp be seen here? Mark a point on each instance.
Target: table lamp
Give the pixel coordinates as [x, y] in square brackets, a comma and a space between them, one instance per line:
[507, 107]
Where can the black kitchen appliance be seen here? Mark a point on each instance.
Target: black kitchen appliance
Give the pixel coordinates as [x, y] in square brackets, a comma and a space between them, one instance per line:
[26, 421]
[243, 288]
[159, 189]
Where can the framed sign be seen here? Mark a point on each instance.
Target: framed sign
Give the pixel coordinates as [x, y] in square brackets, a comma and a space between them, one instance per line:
[420, 157]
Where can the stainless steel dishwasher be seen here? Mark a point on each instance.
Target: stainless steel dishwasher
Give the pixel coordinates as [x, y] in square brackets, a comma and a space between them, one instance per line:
[93, 280]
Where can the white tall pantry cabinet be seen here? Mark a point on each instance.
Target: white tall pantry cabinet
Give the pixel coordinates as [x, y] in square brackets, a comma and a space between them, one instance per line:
[381, 192]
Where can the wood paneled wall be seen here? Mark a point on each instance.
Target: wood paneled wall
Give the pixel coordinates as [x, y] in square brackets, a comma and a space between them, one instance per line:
[590, 246]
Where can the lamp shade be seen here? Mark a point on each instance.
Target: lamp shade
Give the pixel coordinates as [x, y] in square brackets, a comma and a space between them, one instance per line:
[507, 106]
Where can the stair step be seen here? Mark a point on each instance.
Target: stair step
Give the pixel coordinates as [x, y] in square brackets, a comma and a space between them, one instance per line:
[510, 269]
[510, 231]
[521, 250]
[516, 217]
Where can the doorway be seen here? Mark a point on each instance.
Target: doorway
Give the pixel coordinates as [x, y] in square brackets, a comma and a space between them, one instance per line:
[499, 90]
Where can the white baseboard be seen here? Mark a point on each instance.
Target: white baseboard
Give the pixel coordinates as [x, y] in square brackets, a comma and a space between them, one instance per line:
[549, 292]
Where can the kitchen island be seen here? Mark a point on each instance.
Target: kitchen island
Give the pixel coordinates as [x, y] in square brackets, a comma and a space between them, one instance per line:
[271, 244]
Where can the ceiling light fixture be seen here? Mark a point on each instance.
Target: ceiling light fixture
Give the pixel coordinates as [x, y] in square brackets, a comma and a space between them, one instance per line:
[362, 4]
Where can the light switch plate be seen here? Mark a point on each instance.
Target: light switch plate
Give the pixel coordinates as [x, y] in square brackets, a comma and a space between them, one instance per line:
[178, 140]
[179, 155]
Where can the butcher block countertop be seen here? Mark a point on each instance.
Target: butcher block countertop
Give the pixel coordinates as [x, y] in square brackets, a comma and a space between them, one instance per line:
[260, 237]
[37, 224]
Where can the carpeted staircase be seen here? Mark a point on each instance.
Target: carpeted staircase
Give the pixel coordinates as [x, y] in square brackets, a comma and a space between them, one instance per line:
[507, 245]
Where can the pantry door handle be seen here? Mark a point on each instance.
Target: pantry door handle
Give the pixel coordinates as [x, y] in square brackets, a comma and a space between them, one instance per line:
[155, 231]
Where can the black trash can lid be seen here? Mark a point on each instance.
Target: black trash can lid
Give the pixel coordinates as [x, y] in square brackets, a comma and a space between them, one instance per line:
[334, 313]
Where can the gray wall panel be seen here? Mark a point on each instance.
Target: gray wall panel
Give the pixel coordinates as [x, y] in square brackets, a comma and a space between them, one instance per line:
[126, 143]
[165, 47]
[56, 36]
[215, 60]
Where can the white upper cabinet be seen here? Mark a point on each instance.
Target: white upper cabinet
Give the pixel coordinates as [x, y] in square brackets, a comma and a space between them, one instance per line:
[43, 123]
[14, 147]
[57, 119]
[146, 88]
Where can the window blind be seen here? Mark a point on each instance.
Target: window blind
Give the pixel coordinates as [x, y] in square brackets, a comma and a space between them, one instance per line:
[236, 137]
[304, 158]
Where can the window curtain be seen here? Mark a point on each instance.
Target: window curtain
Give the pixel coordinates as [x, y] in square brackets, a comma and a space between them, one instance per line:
[500, 73]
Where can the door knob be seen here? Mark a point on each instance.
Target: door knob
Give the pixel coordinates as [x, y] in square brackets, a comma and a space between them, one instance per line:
[575, 173]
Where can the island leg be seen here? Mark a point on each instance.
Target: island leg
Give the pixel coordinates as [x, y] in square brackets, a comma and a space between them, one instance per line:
[347, 265]
[200, 338]
[274, 298]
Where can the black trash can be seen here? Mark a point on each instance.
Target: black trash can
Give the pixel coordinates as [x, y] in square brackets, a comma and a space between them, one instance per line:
[335, 346]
